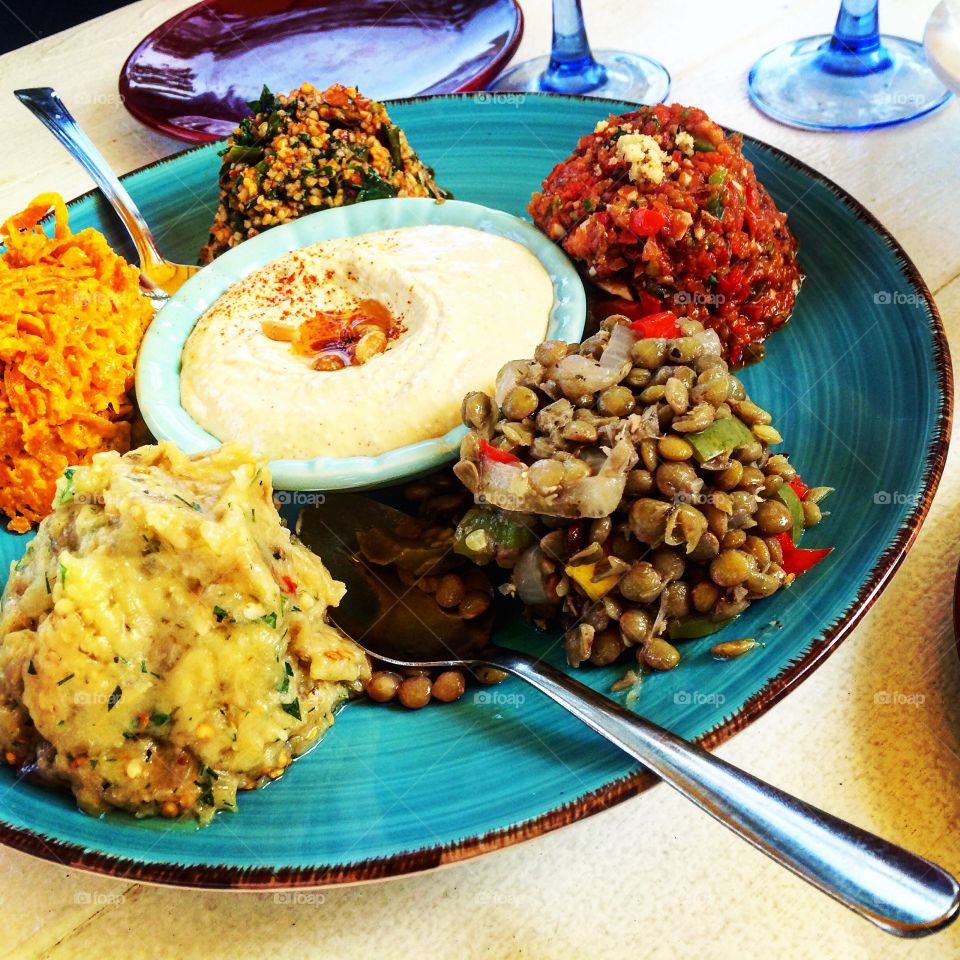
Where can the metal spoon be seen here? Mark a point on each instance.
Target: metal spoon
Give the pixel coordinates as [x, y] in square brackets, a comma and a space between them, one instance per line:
[898, 891]
[159, 277]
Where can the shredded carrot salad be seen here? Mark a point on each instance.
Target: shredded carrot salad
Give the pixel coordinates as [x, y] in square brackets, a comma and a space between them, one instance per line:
[71, 322]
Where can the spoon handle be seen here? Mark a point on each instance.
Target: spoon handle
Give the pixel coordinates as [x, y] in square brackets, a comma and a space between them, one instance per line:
[898, 891]
[45, 104]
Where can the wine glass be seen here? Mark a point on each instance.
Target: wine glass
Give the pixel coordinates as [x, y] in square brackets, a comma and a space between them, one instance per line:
[852, 80]
[941, 42]
[571, 66]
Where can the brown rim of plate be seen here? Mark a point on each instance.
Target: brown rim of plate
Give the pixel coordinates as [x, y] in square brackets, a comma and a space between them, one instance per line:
[476, 83]
[427, 858]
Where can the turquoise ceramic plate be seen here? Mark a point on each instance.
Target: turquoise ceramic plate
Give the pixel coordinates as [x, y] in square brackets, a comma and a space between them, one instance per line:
[158, 366]
[861, 386]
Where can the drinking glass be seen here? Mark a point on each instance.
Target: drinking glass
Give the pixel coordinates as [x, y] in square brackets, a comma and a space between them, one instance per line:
[852, 80]
[941, 42]
[572, 67]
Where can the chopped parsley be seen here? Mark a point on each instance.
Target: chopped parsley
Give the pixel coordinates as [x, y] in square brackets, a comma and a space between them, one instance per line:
[293, 708]
[267, 102]
[158, 719]
[220, 614]
[63, 573]
[373, 187]
[270, 620]
[67, 491]
[93, 764]
[46, 580]
[114, 697]
[192, 506]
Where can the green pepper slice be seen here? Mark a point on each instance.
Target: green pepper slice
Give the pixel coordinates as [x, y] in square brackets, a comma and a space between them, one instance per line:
[788, 497]
[721, 437]
[501, 532]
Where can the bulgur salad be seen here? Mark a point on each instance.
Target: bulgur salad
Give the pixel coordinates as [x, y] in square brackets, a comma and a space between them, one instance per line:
[306, 151]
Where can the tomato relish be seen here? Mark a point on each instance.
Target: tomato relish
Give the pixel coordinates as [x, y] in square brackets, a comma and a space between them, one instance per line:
[662, 212]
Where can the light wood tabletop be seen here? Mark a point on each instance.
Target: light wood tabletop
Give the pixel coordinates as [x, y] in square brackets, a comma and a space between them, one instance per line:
[652, 877]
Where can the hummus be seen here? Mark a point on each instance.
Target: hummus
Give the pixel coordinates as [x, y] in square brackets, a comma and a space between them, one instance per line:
[463, 303]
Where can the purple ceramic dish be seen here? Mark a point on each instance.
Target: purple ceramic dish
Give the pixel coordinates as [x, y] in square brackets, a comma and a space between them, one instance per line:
[191, 78]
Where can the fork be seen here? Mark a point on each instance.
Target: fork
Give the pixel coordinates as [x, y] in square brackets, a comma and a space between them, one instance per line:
[159, 278]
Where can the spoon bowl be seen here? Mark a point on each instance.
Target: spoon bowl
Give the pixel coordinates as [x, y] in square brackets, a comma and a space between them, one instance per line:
[902, 893]
[391, 621]
[159, 278]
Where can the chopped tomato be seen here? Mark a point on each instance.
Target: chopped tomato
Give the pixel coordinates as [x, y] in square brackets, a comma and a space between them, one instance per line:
[289, 586]
[646, 221]
[798, 487]
[491, 452]
[663, 324]
[643, 306]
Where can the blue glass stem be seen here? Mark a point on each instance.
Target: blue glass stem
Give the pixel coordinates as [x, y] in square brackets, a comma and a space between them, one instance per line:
[572, 68]
[855, 49]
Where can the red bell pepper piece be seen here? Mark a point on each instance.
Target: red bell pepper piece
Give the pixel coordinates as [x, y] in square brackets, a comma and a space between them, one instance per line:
[646, 221]
[289, 586]
[797, 560]
[491, 452]
[643, 306]
[663, 324]
[798, 487]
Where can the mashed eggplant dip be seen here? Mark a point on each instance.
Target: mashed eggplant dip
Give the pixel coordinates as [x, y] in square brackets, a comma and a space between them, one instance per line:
[355, 346]
[163, 641]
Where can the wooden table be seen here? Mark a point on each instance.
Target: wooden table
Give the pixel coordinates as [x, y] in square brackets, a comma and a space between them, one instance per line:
[652, 877]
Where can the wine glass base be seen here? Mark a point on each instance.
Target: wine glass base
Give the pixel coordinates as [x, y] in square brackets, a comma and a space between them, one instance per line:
[613, 74]
[803, 84]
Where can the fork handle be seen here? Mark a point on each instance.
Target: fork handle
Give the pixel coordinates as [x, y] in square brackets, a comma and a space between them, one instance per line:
[45, 104]
[900, 892]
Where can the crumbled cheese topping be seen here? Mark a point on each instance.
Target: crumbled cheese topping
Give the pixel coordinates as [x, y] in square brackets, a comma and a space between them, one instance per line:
[601, 126]
[647, 161]
[684, 142]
